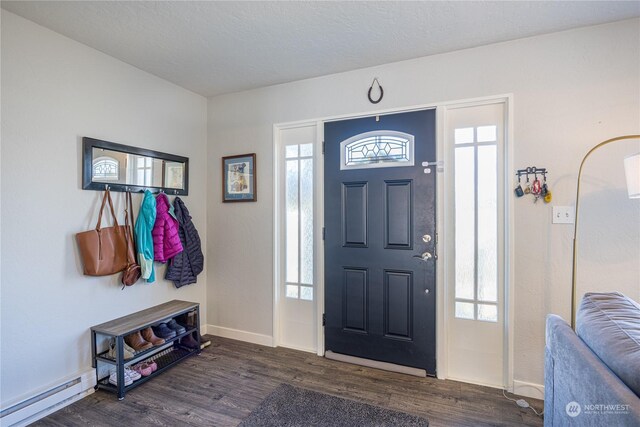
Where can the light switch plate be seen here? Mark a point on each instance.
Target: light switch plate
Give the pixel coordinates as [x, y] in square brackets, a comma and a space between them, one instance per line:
[563, 215]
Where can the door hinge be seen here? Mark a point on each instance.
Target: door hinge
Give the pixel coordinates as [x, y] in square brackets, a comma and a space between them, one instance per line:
[324, 233]
[322, 147]
[324, 319]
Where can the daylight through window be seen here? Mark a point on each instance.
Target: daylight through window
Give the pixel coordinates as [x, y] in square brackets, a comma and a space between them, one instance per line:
[299, 221]
[476, 223]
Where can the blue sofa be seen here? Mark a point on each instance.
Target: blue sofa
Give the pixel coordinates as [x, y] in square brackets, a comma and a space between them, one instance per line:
[592, 376]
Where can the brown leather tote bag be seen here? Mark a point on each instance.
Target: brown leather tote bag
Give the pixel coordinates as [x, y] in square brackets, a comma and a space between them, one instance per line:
[104, 250]
[132, 272]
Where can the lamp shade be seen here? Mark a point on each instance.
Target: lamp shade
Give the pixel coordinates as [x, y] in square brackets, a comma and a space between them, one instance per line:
[632, 173]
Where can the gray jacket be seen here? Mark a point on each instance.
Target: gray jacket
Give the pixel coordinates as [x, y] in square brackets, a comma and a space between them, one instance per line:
[184, 267]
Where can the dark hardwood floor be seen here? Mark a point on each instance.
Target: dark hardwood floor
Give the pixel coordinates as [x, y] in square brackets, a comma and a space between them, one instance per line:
[221, 386]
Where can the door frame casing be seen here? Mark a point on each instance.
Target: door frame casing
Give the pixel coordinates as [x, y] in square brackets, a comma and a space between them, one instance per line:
[442, 197]
[446, 272]
[279, 233]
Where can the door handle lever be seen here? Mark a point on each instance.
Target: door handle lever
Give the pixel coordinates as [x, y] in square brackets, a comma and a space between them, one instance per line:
[426, 256]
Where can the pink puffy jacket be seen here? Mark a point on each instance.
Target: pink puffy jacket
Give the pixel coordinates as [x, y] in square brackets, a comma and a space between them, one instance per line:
[166, 241]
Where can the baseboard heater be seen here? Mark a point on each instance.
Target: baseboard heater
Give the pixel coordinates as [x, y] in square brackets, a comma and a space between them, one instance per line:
[38, 406]
[375, 364]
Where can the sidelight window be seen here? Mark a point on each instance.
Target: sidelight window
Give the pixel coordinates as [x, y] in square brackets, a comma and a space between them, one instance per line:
[476, 223]
[299, 221]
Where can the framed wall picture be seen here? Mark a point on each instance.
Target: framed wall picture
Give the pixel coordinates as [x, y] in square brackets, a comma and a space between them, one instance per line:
[239, 178]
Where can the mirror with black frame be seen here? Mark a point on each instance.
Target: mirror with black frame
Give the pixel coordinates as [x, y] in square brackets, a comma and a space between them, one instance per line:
[127, 168]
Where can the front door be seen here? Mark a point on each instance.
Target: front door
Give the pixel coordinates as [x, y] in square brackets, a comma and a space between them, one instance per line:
[380, 238]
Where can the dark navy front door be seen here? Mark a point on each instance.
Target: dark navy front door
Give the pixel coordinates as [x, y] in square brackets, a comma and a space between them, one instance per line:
[380, 238]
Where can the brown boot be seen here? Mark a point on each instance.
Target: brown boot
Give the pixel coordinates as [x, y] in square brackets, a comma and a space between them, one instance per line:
[190, 341]
[148, 335]
[136, 341]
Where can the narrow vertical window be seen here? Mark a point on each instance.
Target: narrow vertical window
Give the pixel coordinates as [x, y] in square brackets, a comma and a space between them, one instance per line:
[476, 222]
[299, 221]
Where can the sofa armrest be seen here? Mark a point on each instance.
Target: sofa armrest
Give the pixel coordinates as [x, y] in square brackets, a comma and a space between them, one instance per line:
[575, 374]
[609, 323]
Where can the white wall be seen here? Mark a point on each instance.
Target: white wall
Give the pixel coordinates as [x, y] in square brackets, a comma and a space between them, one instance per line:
[571, 90]
[54, 92]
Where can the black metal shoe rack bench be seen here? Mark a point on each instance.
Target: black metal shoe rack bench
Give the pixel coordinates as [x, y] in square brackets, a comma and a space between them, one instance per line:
[165, 355]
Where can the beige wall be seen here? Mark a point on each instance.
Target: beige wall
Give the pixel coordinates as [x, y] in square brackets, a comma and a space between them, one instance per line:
[570, 89]
[54, 92]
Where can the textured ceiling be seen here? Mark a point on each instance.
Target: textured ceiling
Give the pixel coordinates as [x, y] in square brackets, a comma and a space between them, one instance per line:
[219, 47]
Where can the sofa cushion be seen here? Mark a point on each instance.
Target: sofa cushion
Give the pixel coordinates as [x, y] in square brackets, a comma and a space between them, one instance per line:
[609, 323]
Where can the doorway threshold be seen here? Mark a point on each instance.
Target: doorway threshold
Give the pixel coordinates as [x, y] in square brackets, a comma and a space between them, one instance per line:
[392, 367]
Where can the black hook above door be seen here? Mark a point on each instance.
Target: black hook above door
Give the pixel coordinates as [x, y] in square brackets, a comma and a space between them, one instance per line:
[375, 81]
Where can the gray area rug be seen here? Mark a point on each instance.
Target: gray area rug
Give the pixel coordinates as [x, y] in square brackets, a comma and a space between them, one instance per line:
[289, 406]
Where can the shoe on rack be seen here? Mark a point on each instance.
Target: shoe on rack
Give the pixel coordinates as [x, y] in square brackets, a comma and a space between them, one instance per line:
[135, 376]
[152, 364]
[127, 351]
[143, 369]
[113, 378]
[190, 341]
[172, 324]
[190, 320]
[163, 331]
[148, 335]
[136, 341]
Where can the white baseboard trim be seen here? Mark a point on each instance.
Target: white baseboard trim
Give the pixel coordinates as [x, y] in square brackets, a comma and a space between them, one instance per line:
[236, 334]
[47, 400]
[295, 347]
[533, 390]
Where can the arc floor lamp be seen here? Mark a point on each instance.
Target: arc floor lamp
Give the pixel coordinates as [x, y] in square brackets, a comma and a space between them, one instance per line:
[632, 174]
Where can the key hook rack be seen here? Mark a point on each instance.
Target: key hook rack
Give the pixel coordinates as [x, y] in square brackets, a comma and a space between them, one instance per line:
[532, 171]
[537, 188]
